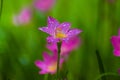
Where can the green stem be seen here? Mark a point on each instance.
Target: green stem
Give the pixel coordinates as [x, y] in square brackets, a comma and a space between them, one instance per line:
[58, 58]
[46, 77]
[100, 64]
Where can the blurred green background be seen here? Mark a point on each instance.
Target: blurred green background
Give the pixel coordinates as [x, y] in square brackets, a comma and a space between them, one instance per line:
[21, 45]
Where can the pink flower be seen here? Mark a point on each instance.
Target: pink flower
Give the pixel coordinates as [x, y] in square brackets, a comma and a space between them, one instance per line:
[59, 32]
[116, 44]
[66, 47]
[49, 64]
[44, 5]
[23, 17]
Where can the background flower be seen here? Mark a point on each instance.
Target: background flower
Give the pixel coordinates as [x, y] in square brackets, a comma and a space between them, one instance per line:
[49, 64]
[66, 47]
[116, 44]
[23, 17]
[44, 5]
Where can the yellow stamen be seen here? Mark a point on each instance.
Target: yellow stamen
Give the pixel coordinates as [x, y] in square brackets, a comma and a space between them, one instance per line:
[59, 33]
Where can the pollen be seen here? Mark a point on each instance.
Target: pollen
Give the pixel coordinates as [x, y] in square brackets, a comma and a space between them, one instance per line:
[59, 33]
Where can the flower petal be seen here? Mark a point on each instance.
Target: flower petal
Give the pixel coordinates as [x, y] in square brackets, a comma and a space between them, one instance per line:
[52, 21]
[52, 72]
[44, 5]
[46, 56]
[70, 45]
[73, 32]
[45, 29]
[54, 56]
[65, 27]
[116, 52]
[52, 46]
[40, 64]
[43, 72]
[116, 42]
[52, 24]
[50, 39]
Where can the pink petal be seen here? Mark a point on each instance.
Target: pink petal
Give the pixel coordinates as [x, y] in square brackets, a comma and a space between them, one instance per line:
[116, 42]
[52, 46]
[46, 56]
[61, 61]
[25, 16]
[73, 32]
[52, 21]
[52, 24]
[52, 72]
[45, 29]
[50, 39]
[54, 56]
[44, 5]
[40, 64]
[70, 45]
[65, 27]
[43, 72]
[116, 52]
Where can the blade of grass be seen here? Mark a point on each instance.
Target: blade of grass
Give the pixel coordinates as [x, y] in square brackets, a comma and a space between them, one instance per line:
[1, 7]
[100, 64]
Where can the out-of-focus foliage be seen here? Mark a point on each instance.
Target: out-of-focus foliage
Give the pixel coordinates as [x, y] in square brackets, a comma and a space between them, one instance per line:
[21, 45]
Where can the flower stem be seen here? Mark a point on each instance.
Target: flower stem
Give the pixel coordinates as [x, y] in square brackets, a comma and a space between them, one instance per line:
[100, 64]
[58, 58]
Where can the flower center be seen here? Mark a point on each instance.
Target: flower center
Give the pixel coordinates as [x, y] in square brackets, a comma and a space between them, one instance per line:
[59, 33]
[52, 67]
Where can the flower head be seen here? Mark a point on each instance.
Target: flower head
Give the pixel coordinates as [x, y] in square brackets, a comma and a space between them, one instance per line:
[49, 64]
[23, 17]
[44, 5]
[116, 44]
[59, 32]
[66, 47]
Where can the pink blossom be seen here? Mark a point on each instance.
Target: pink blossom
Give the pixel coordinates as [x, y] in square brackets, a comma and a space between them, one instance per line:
[66, 47]
[116, 44]
[23, 17]
[59, 32]
[49, 64]
[44, 5]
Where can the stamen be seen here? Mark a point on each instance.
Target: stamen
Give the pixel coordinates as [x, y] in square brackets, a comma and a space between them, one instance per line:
[59, 33]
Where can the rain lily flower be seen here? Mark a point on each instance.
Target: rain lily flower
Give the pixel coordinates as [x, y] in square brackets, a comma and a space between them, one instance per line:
[49, 64]
[44, 5]
[59, 32]
[23, 17]
[66, 47]
[116, 44]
